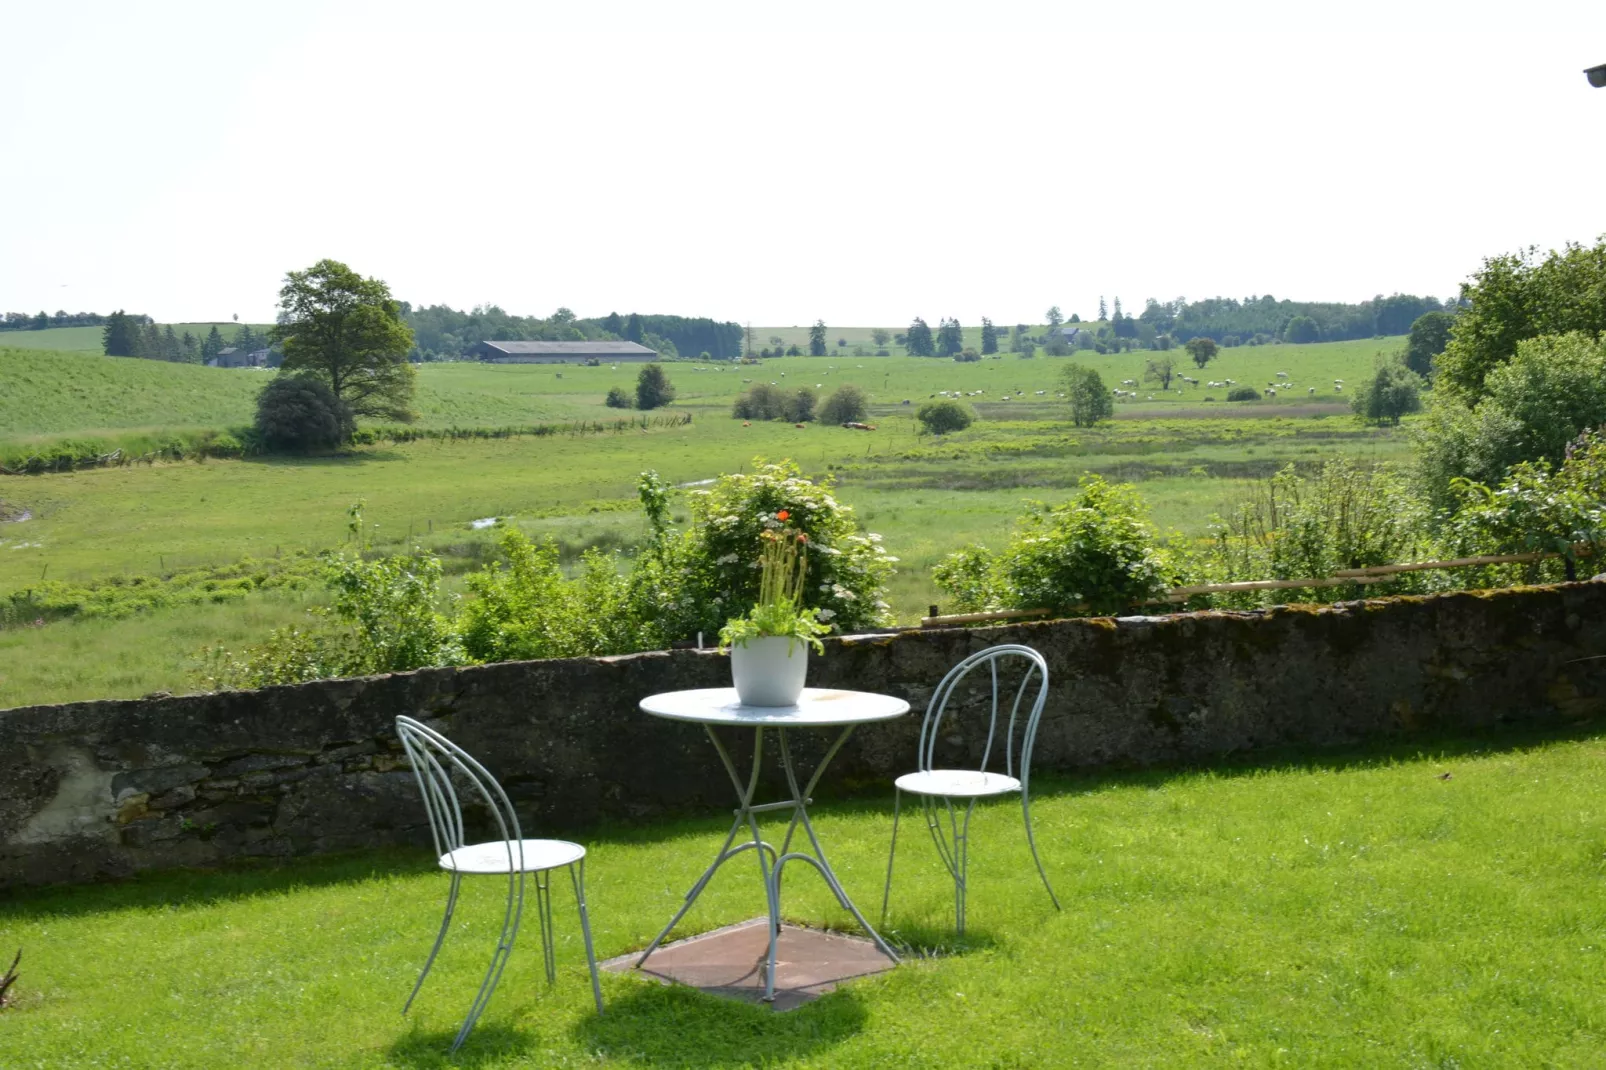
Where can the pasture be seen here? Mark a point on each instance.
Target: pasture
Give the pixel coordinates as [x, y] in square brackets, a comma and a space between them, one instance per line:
[927, 496]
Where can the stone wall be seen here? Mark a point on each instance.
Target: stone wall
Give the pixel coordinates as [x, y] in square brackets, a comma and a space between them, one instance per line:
[103, 789]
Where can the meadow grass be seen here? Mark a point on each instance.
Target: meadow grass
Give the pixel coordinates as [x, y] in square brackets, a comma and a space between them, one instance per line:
[92, 339]
[1409, 905]
[927, 496]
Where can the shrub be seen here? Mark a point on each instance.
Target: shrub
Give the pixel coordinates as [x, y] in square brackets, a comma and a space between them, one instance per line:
[706, 575]
[847, 404]
[1096, 553]
[759, 402]
[1536, 508]
[798, 407]
[1393, 391]
[966, 356]
[653, 388]
[1535, 404]
[617, 398]
[1293, 526]
[527, 609]
[941, 417]
[1243, 393]
[299, 413]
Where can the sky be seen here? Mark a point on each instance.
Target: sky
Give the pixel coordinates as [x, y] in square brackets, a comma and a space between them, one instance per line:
[857, 162]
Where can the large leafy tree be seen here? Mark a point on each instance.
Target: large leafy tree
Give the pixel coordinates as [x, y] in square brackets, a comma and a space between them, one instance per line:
[817, 339]
[1391, 392]
[1430, 333]
[1202, 350]
[1517, 297]
[347, 332]
[653, 388]
[1090, 399]
[950, 338]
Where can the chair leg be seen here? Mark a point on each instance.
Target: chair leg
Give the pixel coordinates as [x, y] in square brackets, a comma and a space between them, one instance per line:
[579, 883]
[446, 922]
[886, 892]
[499, 957]
[543, 910]
[1031, 841]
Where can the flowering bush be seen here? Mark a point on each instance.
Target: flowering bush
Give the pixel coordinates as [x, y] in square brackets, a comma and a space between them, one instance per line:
[710, 572]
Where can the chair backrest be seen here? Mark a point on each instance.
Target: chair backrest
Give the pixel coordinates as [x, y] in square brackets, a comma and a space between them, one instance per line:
[435, 761]
[998, 664]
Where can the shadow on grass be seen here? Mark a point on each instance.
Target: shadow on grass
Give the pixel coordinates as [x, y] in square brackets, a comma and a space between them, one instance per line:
[672, 1025]
[488, 1044]
[195, 888]
[917, 941]
[358, 455]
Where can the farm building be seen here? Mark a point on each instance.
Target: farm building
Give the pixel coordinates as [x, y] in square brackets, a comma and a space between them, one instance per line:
[231, 357]
[561, 352]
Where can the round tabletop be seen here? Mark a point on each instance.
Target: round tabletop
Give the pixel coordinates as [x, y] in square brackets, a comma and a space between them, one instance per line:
[816, 708]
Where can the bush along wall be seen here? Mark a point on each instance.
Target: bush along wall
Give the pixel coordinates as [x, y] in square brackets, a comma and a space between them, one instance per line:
[102, 789]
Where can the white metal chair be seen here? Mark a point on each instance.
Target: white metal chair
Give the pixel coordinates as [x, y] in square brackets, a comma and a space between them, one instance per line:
[935, 785]
[436, 762]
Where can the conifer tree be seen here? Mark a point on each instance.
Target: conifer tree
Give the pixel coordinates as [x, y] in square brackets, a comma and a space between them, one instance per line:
[989, 337]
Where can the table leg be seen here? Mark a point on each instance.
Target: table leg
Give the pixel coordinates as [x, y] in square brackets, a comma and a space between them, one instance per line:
[800, 816]
[744, 815]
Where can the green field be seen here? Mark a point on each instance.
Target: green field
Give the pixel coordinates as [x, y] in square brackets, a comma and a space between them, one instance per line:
[1189, 456]
[89, 339]
[1405, 906]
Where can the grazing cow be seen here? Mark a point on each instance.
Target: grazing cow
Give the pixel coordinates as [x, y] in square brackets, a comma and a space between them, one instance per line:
[1313, 391]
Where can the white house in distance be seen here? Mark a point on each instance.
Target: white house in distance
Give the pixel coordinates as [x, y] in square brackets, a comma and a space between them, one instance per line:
[562, 352]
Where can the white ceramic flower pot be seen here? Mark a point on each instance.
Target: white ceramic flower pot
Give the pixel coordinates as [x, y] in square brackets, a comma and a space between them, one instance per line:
[766, 673]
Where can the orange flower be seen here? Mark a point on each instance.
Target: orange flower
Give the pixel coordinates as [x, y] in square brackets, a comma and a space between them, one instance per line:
[783, 515]
[802, 537]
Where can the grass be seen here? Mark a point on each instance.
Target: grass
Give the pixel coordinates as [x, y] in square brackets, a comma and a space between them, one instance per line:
[1360, 909]
[927, 496]
[91, 339]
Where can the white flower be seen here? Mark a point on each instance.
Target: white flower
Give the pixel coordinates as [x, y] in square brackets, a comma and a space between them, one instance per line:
[889, 558]
[726, 560]
[874, 537]
[826, 614]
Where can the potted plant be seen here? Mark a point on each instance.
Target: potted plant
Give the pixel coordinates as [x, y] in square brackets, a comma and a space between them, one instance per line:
[769, 647]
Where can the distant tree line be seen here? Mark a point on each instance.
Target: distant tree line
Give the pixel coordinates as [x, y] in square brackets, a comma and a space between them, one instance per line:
[1230, 321]
[443, 333]
[132, 335]
[39, 321]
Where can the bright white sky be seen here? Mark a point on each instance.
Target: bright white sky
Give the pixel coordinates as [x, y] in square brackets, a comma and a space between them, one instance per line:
[858, 161]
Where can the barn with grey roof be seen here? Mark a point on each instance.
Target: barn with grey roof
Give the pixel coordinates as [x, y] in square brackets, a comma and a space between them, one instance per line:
[561, 352]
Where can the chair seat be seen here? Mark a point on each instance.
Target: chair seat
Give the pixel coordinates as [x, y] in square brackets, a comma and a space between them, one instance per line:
[492, 857]
[958, 783]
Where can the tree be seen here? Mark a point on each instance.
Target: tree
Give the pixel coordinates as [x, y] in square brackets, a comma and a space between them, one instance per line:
[120, 337]
[1160, 370]
[880, 336]
[1054, 317]
[989, 337]
[347, 331]
[817, 339]
[1429, 335]
[798, 408]
[246, 340]
[613, 323]
[1090, 399]
[941, 417]
[1301, 330]
[919, 342]
[1515, 298]
[300, 413]
[653, 388]
[1104, 311]
[1202, 350]
[950, 338]
[618, 398]
[212, 345]
[847, 404]
[1391, 392]
[634, 331]
[171, 350]
[41, 321]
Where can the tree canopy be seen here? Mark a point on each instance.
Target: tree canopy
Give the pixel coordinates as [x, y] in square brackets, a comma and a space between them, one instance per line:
[1429, 335]
[653, 388]
[1090, 399]
[347, 332]
[919, 343]
[1393, 391]
[1517, 297]
[817, 339]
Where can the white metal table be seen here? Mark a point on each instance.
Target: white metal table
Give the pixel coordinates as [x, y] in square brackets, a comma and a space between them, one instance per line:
[816, 708]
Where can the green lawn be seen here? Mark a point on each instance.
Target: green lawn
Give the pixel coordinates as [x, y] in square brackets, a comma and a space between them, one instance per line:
[1433, 906]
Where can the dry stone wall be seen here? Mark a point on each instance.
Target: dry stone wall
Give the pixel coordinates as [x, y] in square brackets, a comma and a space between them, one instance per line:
[104, 789]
